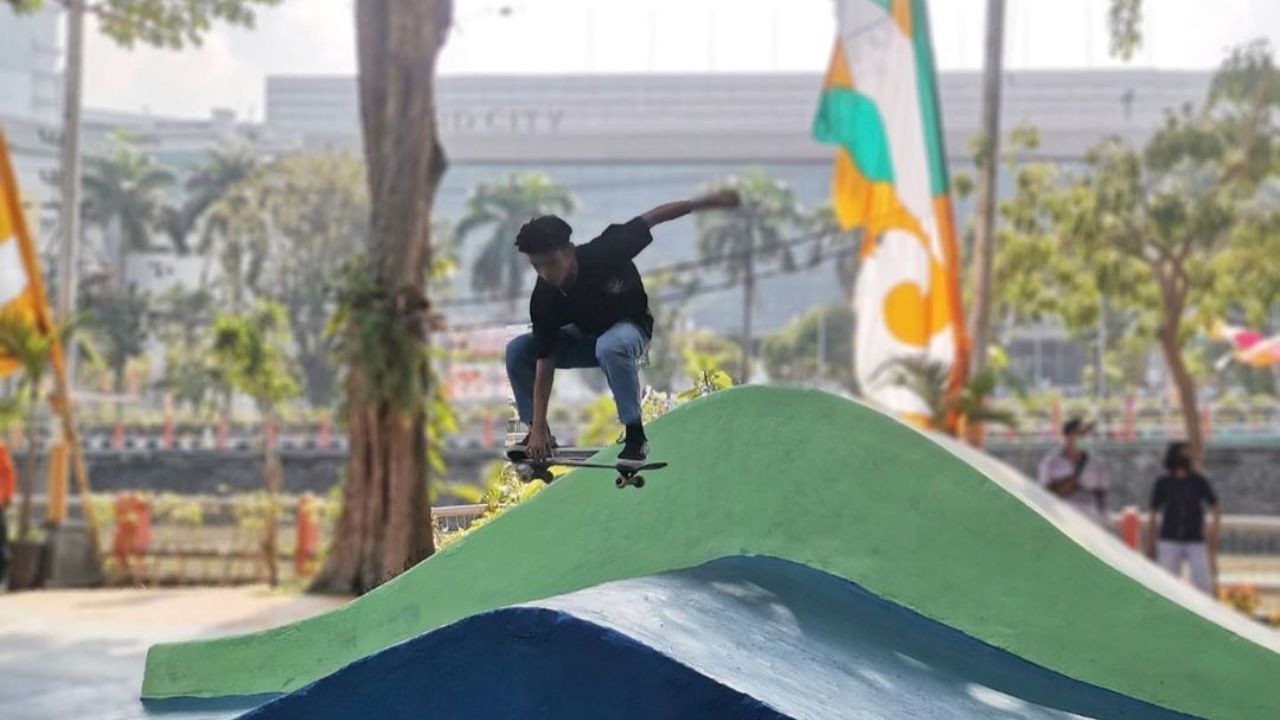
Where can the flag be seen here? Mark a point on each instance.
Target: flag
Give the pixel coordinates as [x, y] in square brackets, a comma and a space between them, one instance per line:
[21, 286]
[1248, 347]
[879, 106]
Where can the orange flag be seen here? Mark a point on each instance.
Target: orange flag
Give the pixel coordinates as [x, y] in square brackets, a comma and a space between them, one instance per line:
[21, 285]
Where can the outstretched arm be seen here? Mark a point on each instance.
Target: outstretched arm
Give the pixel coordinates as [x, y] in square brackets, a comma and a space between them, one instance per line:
[674, 210]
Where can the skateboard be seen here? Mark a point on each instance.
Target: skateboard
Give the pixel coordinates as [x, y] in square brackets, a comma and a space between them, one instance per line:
[528, 470]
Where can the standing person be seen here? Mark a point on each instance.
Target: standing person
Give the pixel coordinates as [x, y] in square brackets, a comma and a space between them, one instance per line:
[589, 309]
[8, 480]
[1178, 503]
[1073, 475]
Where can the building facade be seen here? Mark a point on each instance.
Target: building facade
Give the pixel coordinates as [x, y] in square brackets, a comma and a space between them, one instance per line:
[624, 143]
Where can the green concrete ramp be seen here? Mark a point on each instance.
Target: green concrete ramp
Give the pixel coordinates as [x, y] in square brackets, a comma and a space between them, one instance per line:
[824, 482]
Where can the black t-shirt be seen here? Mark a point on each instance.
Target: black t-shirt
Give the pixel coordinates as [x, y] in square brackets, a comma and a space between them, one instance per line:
[607, 289]
[1182, 502]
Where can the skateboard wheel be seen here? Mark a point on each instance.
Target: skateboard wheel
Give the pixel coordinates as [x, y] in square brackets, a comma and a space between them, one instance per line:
[638, 482]
[620, 482]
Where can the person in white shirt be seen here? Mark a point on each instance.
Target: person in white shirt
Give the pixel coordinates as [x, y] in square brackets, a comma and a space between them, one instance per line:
[1073, 475]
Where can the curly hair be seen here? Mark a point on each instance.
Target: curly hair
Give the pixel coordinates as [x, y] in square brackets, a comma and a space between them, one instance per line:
[543, 234]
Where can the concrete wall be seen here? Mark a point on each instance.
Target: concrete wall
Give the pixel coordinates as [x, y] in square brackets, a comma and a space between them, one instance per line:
[1247, 477]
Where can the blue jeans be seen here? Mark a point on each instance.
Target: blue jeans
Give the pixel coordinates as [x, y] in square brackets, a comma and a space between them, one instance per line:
[617, 352]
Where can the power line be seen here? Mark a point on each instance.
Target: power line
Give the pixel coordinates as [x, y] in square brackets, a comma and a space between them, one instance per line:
[668, 297]
[675, 267]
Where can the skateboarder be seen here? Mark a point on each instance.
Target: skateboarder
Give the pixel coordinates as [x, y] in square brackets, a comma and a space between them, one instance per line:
[589, 309]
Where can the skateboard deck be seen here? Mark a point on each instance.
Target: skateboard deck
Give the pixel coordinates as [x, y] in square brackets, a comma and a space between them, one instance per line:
[528, 469]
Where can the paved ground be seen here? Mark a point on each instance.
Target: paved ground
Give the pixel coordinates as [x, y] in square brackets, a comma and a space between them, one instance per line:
[79, 654]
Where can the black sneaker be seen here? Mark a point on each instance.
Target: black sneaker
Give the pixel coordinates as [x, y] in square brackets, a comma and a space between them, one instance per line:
[635, 447]
[634, 453]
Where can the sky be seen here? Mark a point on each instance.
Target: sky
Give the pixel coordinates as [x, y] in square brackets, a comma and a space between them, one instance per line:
[311, 37]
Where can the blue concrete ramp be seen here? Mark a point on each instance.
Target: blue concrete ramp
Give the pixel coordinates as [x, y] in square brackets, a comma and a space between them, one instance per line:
[739, 637]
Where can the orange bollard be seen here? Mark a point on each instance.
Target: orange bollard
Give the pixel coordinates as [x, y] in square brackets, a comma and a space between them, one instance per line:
[133, 530]
[307, 535]
[1131, 527]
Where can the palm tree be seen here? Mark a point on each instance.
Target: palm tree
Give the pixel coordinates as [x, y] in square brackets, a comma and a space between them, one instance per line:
[753, 235]
[929, 380]
[238, 231]
[26, 346]
[210, 181]
[122, 324]
[504, 206]
[124, 196]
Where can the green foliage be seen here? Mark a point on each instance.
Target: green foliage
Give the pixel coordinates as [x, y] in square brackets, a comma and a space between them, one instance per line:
[1124, 21]
[172, 24]
[1161, 241]
[928, 381]
[705, 373]
[602, 426]
[503, 206]
[318, 209]
[120, 323]
[791, 354]
[250, 351]
[31, 350]
[371, 332]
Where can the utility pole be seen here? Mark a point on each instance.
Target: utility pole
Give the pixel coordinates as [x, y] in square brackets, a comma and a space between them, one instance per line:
[980, 318]
[70, 170]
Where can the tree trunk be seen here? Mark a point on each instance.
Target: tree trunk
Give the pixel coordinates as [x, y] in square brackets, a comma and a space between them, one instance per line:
[118, 381]
[385, 523]
[116, 229]
[1186, 386]
[980, 320]
[272, 476]
[29, 472]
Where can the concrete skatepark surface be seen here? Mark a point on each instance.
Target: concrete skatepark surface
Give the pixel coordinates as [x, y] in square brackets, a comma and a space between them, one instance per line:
[914, 520]
[741, 637]
[79, 653]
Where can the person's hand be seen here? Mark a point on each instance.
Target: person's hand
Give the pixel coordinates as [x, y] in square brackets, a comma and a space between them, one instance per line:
[539, 447]
[722, 199]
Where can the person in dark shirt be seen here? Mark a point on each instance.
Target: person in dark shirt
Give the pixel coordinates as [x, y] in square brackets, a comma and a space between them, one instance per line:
[1178, 504]
[589, 309]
